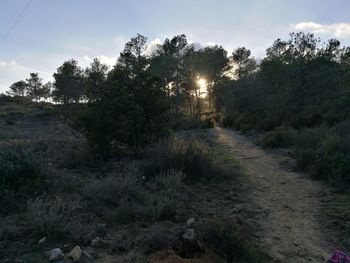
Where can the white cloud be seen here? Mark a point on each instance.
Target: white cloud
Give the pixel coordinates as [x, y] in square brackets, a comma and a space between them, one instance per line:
[11, 72]
[340, 30]
[109, 61]
[210, 44]
[152, 46]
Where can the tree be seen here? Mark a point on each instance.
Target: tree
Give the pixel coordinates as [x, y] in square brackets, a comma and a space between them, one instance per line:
[245, 65]
[213, 63]
[132, 109]
[95, 76]
[34, 84]
[167, 65]
[47, 90]
[69, 83]
[18, 89]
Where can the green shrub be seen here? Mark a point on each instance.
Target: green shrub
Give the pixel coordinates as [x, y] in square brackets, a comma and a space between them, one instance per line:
[128, 197]
[50, 217]
[19, 172]
[227, 120]
[223, 237]
[20, 177]
[279, 138]
[325, 153]
[189, 156]
[114, 190]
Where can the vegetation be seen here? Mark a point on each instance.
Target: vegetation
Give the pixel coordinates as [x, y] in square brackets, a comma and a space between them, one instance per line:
[128, 164]
[20, 175]
[225, 238]
[299, 89]
[191, 157]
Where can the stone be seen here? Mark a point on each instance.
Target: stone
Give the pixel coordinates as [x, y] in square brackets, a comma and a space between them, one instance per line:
[42, 240]
[189, 235]
[55, 254]
[75, 254]
[96, 242]
[283, 181]
[85, 258]
[191, 221]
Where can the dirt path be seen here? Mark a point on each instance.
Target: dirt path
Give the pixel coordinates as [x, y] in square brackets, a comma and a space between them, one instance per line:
[290, 229]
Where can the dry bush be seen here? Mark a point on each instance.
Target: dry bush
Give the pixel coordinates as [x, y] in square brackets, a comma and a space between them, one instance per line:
[50, 217]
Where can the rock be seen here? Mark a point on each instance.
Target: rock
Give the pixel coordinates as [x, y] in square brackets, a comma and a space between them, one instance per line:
[189, 235]
[42, 240]
[75, 254]
[55, 254]
[85, 258]
[283, 182]
[237, 209]
[96, 242]
[191, 221]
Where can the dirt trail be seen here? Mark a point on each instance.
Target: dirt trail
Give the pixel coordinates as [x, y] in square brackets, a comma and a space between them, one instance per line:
[290, 229]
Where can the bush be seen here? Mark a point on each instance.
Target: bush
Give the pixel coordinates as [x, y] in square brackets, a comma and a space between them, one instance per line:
[279, 138]
[113, 190]
[325, 153]
[223, 237]
[189, 156]
[21, 177]
[50, 217]
[127, 198]
[19, 172]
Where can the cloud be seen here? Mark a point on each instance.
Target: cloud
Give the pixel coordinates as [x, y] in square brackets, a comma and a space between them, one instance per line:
[14, 64]
[109, 61]
[11, 71]
[152, 46]
[340, 30]
[210, 44]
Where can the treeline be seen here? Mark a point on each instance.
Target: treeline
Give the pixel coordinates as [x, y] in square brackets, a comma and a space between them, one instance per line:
[298, 97]
[143, 96]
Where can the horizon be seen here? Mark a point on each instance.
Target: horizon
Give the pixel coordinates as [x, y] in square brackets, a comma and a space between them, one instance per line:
[38, 36]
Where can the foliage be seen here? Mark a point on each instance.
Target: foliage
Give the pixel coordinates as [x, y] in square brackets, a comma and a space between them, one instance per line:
[325, 153]
[50, 217]
[19, 172]
[128, 197]
[301, 85]
[189, 156]
[133, 107]
[281, 137]
[224, 237]
[21, 177]
[68, 85]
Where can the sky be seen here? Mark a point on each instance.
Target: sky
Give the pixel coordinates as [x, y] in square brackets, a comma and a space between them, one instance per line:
[52, 31]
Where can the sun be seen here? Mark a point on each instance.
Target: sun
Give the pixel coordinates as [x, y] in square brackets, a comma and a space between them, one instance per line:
[203, 85]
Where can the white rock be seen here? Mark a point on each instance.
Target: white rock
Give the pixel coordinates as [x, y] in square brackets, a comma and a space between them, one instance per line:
[42, 240]
[190, 235]
[55, 254]
[191, 221]
[75, 254]
[96, 242]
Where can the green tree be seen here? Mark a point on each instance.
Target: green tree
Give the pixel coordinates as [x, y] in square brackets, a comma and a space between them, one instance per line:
[132, 109]
[69, 83]
[46, 90]
[19, 90]
[35, 85]
[95, 76]
[245, 65]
